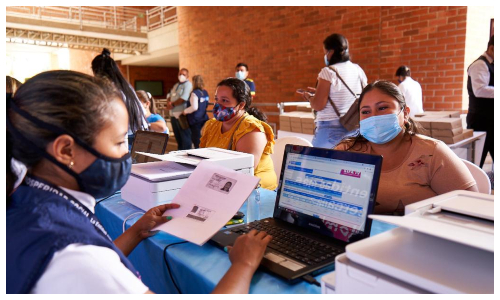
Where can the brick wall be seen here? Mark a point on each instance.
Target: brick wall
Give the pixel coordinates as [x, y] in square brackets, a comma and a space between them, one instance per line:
[283, 46]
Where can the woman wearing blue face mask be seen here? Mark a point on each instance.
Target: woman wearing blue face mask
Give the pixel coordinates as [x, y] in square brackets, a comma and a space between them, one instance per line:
[238, 126]
[415, 167]
[69, 129]
[330, 89]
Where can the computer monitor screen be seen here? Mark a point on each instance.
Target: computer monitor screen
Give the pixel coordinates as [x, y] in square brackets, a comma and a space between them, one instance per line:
[328, 191]
[154, 87]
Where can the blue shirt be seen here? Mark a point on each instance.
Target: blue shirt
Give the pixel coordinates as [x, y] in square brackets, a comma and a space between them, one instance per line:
[155, 118]
[251, 84]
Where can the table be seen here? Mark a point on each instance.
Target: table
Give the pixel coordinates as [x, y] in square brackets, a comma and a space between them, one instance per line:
[469, 148]
[195, 269]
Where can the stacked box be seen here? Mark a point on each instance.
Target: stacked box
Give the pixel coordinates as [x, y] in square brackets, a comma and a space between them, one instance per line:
[285, 122]
[295, 121]
[448, 130]
[468, 133]
[307, 122]
[443, 113]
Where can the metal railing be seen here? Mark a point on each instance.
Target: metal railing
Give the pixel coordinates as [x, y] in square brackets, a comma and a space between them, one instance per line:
[112, 17]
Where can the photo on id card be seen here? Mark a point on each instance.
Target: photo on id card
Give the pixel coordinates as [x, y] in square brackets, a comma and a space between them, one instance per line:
[221, 183]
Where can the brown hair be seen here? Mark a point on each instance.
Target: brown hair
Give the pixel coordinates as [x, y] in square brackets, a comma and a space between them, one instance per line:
[386, 87]
[198, 82]
[75, 102]
[144, 97]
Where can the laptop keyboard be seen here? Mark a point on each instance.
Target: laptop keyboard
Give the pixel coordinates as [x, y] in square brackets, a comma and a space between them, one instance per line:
[301, 248]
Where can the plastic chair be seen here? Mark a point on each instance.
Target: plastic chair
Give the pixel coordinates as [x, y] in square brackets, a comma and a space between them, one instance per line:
[279, 149]
[482, 180]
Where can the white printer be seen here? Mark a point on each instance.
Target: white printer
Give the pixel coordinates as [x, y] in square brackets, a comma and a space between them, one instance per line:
[444, 244]
[155, 183]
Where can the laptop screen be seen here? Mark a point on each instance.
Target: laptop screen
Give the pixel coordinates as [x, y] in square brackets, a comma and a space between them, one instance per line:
[328, 191]
[149, 142]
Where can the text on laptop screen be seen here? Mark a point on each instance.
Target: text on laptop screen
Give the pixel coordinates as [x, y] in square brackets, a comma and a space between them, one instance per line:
[335, 192]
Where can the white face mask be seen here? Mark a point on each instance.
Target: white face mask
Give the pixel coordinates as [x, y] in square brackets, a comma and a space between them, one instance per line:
[182, 78]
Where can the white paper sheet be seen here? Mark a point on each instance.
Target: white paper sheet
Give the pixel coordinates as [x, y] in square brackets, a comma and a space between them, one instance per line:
[209, 199]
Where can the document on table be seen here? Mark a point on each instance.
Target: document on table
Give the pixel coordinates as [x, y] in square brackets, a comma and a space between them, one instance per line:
[209, 199]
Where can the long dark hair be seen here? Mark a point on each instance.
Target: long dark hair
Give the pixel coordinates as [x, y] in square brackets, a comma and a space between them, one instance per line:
[241, 92]
[339, 44]
[104, 65]
[75, 102]
[386, 87]
[146, 97]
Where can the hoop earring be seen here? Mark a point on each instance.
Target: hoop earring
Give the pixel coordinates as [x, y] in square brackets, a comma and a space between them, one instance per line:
[71, 164]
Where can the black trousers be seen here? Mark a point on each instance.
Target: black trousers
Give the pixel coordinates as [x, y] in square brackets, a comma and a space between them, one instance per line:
[483, 122]
[182, 136]
[196, 133]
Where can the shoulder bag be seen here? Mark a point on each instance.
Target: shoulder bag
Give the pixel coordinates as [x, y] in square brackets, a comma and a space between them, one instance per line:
[350, 120]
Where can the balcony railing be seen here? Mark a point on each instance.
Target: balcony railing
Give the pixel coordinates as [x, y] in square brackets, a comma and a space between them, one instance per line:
[112, 17]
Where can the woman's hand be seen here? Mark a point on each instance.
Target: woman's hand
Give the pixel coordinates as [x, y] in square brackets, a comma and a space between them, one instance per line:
[249, 249]
[245, 257]
[151, 219]
[142, 228]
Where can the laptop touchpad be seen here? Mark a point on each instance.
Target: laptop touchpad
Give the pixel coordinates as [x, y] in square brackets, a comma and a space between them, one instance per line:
[283, 261]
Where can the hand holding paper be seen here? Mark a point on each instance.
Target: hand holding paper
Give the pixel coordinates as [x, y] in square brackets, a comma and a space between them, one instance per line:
[209, 198]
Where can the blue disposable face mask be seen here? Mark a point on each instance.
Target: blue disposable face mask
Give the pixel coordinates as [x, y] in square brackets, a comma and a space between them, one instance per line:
[327, 63]
[102, 178]
[380, 129]
[240, 75]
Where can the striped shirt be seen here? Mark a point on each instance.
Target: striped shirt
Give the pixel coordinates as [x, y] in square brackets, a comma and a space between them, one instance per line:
[353, 75]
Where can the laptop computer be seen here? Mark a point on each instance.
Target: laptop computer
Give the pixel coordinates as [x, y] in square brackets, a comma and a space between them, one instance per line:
[323, 201]
[149, 142]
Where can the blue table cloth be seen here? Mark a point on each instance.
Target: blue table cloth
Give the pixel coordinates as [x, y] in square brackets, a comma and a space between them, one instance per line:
[194, 269]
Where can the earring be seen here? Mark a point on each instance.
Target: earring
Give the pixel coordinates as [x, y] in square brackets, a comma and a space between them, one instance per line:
[71, 164]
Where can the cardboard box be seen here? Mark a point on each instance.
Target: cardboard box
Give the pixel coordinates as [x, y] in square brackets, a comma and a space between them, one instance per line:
[451, 139]
[307, 119]
[446, 123]
[297, 129]
[308, 125]
[447, 132]
[444, 113]
[285, 128]
[308, 130]
[425, 121]
[468, 133]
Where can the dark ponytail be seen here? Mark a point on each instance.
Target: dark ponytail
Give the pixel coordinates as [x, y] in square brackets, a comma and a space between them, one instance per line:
[241, 92]
[340, 46]
[104, 65]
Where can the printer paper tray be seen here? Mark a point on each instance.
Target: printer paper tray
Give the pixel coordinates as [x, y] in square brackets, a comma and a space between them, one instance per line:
[430, 263]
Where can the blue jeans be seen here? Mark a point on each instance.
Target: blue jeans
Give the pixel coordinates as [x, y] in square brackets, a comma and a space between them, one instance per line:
[182, 136]
[329, 133]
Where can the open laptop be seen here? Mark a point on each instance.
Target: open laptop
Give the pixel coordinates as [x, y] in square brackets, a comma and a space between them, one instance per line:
[149, 142]
[323, 202]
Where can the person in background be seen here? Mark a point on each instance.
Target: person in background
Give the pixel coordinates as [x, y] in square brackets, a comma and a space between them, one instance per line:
[329, 131]
[177, 101]
[11, 85]
[238, 126]
[411, 90]
[155, 121]
[104, 65]
[242, 74]
[415, 167]
[196, 110]
[480, 86]
[69, 129]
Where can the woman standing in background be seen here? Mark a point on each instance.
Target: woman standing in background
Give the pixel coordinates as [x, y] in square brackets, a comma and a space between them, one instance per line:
[196, 110]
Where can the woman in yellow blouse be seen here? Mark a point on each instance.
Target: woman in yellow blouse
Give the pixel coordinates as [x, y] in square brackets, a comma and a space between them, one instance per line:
[237, 126]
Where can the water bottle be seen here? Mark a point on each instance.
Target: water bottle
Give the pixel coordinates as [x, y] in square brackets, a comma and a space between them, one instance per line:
[253, 206]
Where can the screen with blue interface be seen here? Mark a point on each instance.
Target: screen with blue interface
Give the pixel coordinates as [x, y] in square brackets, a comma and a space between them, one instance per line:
[336, 193]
